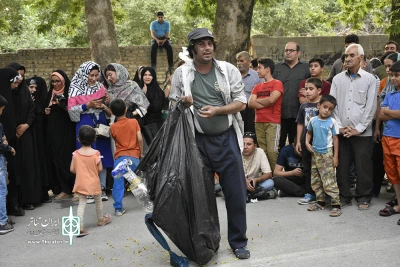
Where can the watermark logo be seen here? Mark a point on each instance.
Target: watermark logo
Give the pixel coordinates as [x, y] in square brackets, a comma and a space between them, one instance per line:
[70, 225]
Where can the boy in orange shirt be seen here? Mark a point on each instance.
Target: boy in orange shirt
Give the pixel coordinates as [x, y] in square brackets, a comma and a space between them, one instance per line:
[266, 99]
[129, 145]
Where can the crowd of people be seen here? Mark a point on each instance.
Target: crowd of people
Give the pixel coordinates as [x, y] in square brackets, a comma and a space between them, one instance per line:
[335, 128]
[279, 130]
[43, 131]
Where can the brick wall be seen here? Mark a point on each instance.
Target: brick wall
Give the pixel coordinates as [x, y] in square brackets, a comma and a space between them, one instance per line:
[43, 61]
[329, 48]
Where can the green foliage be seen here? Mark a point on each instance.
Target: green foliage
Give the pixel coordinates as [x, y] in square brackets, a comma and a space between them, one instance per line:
[294, 18]
[354, 13]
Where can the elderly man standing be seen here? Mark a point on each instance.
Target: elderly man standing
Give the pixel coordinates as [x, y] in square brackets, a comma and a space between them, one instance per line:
[290, 72]
[355, 91]
[250, 79]
[213, 90]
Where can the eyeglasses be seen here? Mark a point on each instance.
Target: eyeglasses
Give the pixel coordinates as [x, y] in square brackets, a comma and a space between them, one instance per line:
[288, 51]
[249, 134]
[55, 81]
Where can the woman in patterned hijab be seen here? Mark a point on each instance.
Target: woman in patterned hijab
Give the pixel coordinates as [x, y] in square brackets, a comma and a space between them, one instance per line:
[87, 105]
[122, 88]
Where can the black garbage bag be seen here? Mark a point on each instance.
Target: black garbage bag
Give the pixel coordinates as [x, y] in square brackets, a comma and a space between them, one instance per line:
[184, 202]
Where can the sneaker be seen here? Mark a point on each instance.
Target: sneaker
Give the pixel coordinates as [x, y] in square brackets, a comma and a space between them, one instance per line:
[89, 200]
[104, 196]
[119, 212]
[272, 194]
[75, 198]
[62, 196]
[242, 253]
[307, 199]
[6, 228]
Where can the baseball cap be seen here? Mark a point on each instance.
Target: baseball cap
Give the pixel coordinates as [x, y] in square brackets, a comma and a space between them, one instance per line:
[160, 13]
[198, 33]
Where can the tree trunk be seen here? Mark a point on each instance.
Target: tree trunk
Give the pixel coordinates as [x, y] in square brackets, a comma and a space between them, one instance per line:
[232, 27]
[394, 18]
[101, 32]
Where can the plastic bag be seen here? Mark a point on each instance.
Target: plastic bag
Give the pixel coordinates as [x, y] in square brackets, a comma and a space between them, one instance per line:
[184, 202]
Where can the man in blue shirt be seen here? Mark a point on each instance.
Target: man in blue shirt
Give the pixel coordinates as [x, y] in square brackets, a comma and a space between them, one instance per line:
[160, 32]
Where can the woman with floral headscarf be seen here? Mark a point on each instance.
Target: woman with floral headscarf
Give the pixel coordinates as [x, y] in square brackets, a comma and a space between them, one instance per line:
[129, 91]
[60, 136]
[86, 106]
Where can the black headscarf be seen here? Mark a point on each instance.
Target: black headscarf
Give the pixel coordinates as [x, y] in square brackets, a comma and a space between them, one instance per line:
[154, 93]
[7, 75]
[16, 66]
[41, 93]
[137, 78]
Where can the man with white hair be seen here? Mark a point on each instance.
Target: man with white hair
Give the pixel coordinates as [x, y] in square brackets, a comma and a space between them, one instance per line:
[355, 91]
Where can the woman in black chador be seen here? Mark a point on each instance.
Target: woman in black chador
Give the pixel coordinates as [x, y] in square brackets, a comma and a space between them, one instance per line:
[60, 133]
[9, 80]
[38, 90]
[27, 158]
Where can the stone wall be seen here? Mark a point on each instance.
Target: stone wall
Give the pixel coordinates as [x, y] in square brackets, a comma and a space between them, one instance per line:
[43, 61]
[329, 48]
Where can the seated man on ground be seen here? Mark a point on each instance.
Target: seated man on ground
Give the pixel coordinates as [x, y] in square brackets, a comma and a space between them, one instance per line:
[257, 170]
[288, 173]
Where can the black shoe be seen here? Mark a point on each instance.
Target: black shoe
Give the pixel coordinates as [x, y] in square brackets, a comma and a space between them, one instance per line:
[242, 253]
[17, 212]
[28, 207]
[47, 200]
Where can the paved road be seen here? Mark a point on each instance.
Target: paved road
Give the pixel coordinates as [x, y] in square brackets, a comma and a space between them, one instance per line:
[281, 233]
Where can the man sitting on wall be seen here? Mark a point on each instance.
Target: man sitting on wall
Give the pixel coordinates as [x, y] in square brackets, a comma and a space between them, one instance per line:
[160, 32]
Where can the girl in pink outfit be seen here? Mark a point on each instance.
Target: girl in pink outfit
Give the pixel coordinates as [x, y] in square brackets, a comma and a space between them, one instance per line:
[86, 164]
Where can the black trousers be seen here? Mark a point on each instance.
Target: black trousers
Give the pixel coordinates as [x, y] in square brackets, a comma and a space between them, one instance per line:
[221, 155]
[248, 116]
[358, 149]
[288, 128]
[167, 46]
[292, 185]
[379, 170]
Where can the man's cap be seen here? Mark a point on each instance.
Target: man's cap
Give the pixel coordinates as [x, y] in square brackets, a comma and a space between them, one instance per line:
[160, 13]
[199, 33]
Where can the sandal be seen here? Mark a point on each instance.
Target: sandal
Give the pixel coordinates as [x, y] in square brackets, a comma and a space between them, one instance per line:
[105, 220]
[83, 232]
[335, 212]
[388, 211]
[365, 204]
[315, 207]
[392, 203]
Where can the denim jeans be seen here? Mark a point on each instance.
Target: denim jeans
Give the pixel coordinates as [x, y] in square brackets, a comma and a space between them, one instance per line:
[267, 184]
[3, 190]
[119, 188]
[103, 178]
